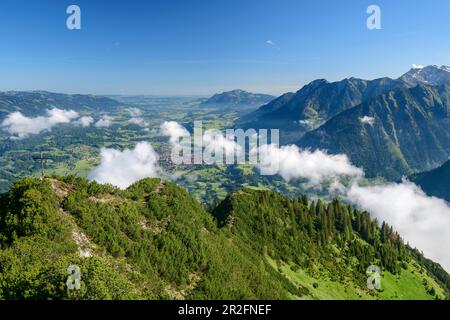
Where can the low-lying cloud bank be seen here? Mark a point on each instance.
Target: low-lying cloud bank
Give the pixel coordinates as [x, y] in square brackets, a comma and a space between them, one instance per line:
[136, 117]
[317, 166]
[421, 220]
[218, 147]
[174, 131]
[20, 126]
[138, 121]
[84, 122]
[105, 121]
[123, 168]
[134, 112]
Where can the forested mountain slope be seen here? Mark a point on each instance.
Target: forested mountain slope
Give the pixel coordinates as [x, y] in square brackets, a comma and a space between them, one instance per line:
[431, 75]
[154, 241]
[312, 105]
[435, 182]
[237, 98]
[315, 103]
[33, 103]
[392, 135]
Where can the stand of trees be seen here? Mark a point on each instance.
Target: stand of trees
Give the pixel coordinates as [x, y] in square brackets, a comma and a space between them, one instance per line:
[154, 241]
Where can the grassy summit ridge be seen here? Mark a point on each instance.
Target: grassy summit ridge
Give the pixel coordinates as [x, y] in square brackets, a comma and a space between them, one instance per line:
[154, 241]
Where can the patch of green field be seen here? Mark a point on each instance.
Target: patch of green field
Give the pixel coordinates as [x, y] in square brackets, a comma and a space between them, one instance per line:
[82, 168]
[259, 187]
[246, 169]
[409, 285]
[322, 288]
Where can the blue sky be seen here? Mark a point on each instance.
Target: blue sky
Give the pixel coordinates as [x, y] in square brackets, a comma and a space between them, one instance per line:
[199, 47]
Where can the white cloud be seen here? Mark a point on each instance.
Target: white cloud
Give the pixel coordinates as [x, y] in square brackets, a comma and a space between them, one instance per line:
[20, 126]
[151, 131]
[138, 121]
[217, 145]
[136, 117]
[105, 121]
[85, 121]
[134, 112]
[421, 220]
[123, 168]
[306, 122]
[367, 120]
[417, 66]
[216, 148]
[270, 42]
[173, 130]
[292, 163]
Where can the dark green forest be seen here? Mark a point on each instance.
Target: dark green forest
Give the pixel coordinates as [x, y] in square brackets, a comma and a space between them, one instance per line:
[154, 241]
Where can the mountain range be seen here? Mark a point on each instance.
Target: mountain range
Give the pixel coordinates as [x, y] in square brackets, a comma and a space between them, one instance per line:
[432, 75]
[312, 105]
[389, 127]
[34, 103]
[154, 241]
[237, 98]
[396, 133]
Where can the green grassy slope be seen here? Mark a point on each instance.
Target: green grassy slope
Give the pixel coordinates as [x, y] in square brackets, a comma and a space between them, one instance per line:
[154, 241]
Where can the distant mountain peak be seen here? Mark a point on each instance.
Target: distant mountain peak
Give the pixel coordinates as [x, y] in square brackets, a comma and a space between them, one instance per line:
[416, 66]
[315, 103]
[319, 81]
[445, 68]
[34, 103]
[432, 75]
[238, 97]
[237, 91]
